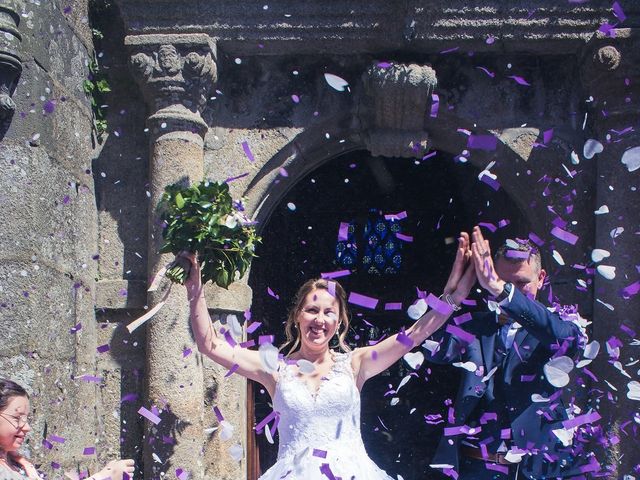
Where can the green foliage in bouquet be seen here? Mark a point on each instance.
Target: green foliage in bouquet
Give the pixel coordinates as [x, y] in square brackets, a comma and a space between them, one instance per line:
[204, 218]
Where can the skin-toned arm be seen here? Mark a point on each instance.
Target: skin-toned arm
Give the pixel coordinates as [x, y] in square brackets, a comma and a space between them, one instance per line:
[214, 346]
[370, 361]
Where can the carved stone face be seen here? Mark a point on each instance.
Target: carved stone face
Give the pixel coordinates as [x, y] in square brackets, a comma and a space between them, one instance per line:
[169, 59]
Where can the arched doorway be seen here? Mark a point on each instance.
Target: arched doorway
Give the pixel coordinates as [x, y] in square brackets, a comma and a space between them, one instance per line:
[303, 238]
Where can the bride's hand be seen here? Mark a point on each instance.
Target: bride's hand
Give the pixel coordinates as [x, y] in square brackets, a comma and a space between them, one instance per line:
[462, 276]
[194, 280]
[462, 260]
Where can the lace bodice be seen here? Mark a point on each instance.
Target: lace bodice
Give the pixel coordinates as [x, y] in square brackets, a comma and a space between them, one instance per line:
[320, 419]
[320, 431]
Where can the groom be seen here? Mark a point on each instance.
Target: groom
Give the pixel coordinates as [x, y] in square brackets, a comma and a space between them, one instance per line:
[502, 422]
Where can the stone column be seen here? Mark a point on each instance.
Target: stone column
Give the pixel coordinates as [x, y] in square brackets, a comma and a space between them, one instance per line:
[175, 73]
[10, 61]
[610, 75]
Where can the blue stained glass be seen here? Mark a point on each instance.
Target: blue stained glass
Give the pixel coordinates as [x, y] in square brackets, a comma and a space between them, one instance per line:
[381, 249]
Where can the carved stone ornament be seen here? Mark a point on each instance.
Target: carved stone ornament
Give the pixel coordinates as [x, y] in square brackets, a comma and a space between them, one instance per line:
[395, 108]
[174, 70]
[607, 57]
[10, 61]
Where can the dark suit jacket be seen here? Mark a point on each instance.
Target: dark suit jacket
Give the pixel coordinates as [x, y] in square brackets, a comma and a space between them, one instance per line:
[542, 333]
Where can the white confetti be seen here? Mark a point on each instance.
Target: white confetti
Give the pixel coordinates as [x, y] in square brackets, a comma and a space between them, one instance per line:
[557, 257]
[602, 210]
[564, 435]
[234, 325]
[591, 350]
[431, 345]
[336, 82]
[403, 382]
[607, 271]
[574, 158]
[394, 401]
[557, 371]
[418, 309]
[537, 398]
[634, 390]
[631, 159]
[226, 430]
[267, 435]
[415, 359]
[616, 232]
[469, 366]
[598, 254]
[291, 206]
[236, 452]
[269, 357]
[305, 366]
[619, 366]
[591, 148]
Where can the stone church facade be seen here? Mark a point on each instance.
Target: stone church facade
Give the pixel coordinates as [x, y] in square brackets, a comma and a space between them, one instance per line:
[536, 101]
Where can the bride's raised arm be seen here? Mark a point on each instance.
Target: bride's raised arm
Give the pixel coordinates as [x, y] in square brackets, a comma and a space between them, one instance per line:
[211, 344]
[370, 361]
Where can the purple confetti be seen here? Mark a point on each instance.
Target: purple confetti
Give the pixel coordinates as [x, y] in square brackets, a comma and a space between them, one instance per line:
[393, 306]
[343, 231]
[460, 319]
[218, 413]
[186, 352]
[482, 142]
[247, 151]
[396, 216]
[404, 339]
[47, 444]
[258, 428]
[152, 417]
[363, 300]
[57, 439]
[272, 293]
[336, 274]
[232, 179]
[331, 288]
[631, 290]
[103, 348]
[89, 451]
[90, 378]
[262, 339]
[489, 226]
[253, 326]
[618, 12]
[564, 235]
[319, 453]
[129, 397]
[247, 344]
[547, 136]
[435, 105]
[581, 420]
[182, 474]
[493, 183]
[488, 72]
[230, 340]
[404, 238]
[232, 370]
[295, 98]
[536, 239]
[462, 335]
[384, 64]
[519, 80]
[438, 305]
[49, 106]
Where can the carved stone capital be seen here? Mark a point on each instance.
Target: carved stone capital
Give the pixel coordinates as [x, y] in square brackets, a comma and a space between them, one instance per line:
[395, 107]
[10, 61]
[175, 72]
[609, 64]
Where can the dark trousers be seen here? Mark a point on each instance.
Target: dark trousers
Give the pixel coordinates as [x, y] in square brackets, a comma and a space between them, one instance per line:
[474, 469]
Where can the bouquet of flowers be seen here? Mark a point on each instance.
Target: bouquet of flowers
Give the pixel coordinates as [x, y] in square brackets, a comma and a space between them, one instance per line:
[203, 218]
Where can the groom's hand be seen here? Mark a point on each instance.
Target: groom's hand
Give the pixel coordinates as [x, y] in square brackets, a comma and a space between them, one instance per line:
[485, 270]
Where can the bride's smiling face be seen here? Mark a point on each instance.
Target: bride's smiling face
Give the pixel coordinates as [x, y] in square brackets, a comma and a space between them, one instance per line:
[318, 319]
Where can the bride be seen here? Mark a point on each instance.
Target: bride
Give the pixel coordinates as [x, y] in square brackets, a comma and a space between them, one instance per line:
[315, 390]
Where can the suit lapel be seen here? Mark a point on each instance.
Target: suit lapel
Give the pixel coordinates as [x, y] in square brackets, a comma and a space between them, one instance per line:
[515, 351]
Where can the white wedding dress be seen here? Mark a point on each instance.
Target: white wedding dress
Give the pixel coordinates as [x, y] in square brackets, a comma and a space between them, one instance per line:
[320, 432]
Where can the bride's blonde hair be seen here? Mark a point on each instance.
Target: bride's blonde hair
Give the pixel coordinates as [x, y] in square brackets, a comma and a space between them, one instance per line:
[293, 333]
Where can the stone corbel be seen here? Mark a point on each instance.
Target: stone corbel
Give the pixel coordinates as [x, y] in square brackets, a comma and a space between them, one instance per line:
[176, 73]
[10, 61]
[609, 65]
[395, 108]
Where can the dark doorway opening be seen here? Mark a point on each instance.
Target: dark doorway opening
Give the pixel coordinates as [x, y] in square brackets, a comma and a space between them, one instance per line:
[441, 197]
